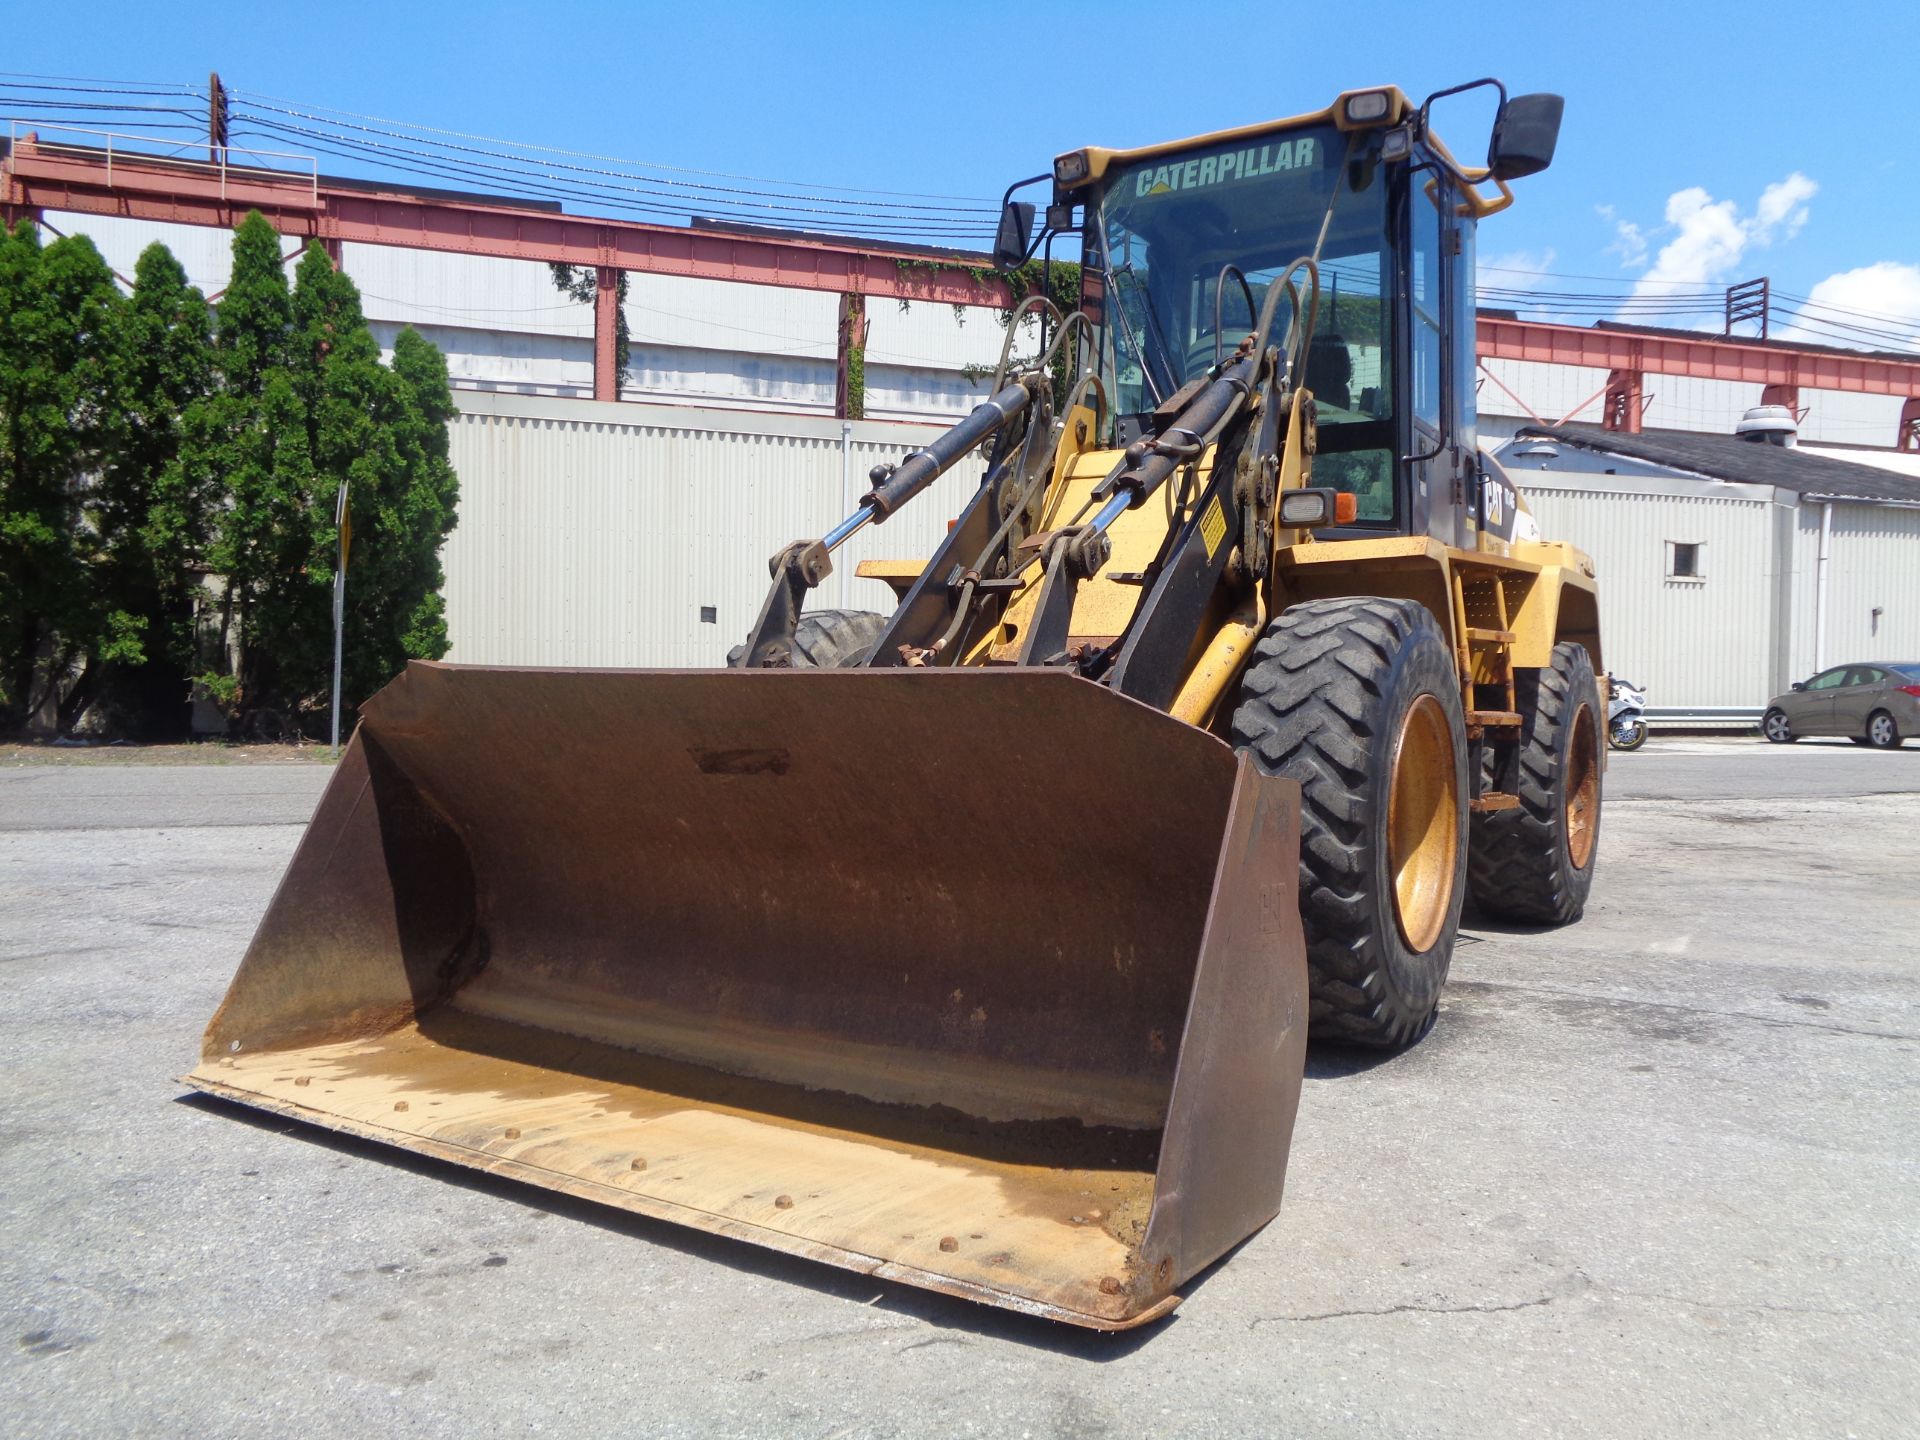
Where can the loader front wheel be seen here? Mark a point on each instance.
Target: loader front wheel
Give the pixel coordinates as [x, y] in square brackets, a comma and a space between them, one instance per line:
[1535, 861]
[830, 639]
[1357, 701]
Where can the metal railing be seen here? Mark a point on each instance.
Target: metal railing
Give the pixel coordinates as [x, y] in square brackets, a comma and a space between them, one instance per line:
[128, 147]
[1705, 717]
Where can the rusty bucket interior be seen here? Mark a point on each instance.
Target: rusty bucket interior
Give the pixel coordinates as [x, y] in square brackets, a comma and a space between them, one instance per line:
[989, 981]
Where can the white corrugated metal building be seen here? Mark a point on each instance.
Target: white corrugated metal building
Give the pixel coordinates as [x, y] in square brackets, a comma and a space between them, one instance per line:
[597, 534]
[1729, 569]
[600, 534]
[504, 328]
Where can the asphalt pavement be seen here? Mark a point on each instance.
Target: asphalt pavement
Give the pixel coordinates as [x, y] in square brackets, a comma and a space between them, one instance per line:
[1652, 1174]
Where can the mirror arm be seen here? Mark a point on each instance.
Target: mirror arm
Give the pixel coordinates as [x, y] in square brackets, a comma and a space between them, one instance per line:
[1427, 104]
[1007, 199]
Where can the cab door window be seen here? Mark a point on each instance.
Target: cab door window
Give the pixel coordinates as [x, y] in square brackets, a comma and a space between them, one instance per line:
[1426, 285]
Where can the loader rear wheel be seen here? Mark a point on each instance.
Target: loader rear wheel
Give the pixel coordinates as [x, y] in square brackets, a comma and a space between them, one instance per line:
[1535, 861]
[830, 639]
[1357, 701]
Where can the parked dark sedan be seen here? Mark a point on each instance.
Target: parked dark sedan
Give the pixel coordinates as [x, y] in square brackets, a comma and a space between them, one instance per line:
[1876, 705]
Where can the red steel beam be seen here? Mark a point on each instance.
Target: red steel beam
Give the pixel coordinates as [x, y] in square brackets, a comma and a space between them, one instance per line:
[50, 177]
[1706, 357]
[606, 334]
[42, 177]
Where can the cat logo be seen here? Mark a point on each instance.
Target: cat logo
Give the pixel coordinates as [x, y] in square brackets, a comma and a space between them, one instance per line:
[1251, 163]
[1498, 503]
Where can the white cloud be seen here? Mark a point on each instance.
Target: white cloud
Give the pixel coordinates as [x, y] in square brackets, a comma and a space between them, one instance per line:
[1629, 240]
[1783, 205]
[1882, 298]
[1711, 237]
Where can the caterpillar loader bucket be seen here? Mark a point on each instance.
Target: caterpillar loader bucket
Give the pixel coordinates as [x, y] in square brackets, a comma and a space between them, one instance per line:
[988, 981]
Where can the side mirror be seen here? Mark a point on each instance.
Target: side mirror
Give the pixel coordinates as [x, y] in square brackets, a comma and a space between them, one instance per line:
[1524, 134]
[1799, 684]
[1010, 244]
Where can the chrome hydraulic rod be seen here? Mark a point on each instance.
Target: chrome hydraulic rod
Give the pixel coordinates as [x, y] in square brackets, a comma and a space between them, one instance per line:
[846, 529]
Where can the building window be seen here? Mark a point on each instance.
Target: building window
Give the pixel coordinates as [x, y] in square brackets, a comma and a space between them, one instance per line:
[709, 615]
[1686, 560]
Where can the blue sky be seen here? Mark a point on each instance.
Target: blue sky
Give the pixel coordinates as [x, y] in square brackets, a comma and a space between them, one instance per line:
[1704, 142]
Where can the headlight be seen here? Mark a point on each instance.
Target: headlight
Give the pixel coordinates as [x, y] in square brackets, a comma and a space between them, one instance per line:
[1367, 106]
[1071, 168]
[1305, 509]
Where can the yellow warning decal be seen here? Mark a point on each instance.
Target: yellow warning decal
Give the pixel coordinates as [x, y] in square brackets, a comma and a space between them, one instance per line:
[1213, 526]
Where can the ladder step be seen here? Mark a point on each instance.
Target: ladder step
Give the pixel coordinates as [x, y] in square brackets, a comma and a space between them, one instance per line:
[1493, 718]
[1494, 800]
[1489, 637]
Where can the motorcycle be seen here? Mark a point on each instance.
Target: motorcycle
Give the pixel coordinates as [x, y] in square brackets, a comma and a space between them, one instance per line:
[1626, 714]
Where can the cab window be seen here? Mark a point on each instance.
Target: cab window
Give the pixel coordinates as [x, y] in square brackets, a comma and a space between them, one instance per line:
[1424, 284]
[1164, 230]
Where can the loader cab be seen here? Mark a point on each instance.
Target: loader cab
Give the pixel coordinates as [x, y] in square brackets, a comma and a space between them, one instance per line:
[1181, 242]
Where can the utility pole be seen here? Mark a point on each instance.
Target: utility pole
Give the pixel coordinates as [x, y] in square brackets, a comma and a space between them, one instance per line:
[217, 116]
[1749, 300]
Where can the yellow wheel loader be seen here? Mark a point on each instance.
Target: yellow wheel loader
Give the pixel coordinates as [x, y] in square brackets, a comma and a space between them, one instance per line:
[976, 945]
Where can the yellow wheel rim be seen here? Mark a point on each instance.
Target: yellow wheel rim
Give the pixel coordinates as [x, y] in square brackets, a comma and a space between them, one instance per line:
[1423, 824]
[1583, 788]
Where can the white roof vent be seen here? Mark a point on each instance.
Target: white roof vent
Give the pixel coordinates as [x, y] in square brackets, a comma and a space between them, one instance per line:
[1769, 425]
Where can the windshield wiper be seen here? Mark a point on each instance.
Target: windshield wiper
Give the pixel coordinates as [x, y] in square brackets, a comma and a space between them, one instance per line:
[1120, 308]
[1156, 334]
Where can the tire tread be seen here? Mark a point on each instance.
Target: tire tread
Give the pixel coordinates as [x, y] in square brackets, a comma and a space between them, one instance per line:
[1310, 708]
[1514, 858]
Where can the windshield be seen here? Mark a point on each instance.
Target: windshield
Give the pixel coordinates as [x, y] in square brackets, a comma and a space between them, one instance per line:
[1167, 226]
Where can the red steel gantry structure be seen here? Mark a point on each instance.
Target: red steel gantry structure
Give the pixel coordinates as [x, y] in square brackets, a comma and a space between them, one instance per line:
[35, 177]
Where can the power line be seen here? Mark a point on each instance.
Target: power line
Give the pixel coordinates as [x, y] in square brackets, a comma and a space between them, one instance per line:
[595, 190]
[95, 87]
[513, 167]
[611, 159]
[785, 193]
[516, 183]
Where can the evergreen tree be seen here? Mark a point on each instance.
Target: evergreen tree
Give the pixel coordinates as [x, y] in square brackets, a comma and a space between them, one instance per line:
[431, 495]
[384, 433]
[251, 446]
[143, 444]
[151, 514]
[60, 376]
[304, 405]
[255, 321]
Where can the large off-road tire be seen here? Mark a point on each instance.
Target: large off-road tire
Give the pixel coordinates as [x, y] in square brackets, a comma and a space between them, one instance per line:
[1535, 862]
[1357, 701]
[829, 639]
